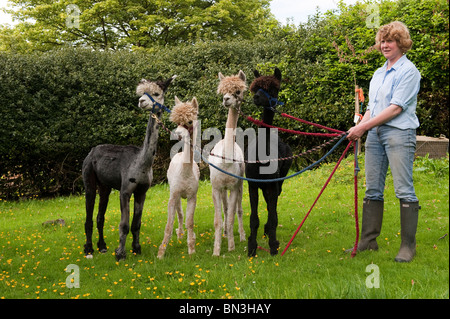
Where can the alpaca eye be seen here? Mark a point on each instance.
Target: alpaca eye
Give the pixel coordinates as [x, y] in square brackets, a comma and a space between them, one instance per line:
[190, 122]
[156, 94]
[238, 92]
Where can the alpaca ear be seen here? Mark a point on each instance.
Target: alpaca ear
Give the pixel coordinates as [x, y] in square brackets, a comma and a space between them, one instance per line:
[221, 77]
[242, 75]
[256, 73]
[165, 85]
[177, 100]
[195, 103]
[277, 74]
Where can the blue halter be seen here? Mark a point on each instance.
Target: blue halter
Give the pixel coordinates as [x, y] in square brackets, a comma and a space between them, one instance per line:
[164, 108]
[273, 101]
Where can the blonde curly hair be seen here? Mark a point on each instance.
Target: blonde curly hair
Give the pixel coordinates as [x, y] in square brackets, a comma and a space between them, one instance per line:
[232, 84]
[397, 31]
[184, 113]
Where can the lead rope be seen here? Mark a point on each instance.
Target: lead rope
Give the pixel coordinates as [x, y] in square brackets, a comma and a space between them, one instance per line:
[320, 193]
[356, 167]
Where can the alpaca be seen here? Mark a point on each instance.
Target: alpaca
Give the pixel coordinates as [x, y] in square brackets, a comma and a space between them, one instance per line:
[125, 168]
[260, 86]
[183, 175]
[232, 88]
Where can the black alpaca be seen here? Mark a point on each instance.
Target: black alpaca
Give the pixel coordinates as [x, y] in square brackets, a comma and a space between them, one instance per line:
[125, 168]
[266, 90]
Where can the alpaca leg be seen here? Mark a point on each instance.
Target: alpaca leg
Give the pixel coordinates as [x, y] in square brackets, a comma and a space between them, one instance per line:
[240, 213]
[169, 226]
[139, 200]
[217, 222]
[230, 221]
[88, 225]
[90, 188]
[124, 226]
[190, 210]
[104, 192]
[254, 220]
[270, 229]
[224, 196]
[179, 209]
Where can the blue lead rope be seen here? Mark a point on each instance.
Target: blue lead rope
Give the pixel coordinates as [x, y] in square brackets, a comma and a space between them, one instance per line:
[280, 178]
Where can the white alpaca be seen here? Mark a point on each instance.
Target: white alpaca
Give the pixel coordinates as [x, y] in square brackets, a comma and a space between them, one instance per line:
[183, 175]
[232, 88]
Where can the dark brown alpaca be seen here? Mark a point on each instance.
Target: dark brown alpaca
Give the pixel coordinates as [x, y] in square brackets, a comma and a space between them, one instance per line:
[266, 90]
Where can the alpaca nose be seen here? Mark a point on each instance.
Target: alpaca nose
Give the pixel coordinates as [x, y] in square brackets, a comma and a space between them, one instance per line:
[141, 101]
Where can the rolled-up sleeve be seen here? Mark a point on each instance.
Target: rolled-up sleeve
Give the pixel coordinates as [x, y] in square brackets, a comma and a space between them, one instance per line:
[406, 88]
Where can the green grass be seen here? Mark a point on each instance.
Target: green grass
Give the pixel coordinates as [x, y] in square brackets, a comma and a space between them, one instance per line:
[33, 258]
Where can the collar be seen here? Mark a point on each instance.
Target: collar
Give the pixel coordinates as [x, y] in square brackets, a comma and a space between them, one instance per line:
[397, 64]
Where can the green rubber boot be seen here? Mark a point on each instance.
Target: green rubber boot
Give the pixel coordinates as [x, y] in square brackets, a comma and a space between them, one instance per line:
[372, 219]
[409, 216]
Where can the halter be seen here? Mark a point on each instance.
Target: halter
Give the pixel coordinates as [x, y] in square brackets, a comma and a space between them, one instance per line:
[273, 101]
[164, 108]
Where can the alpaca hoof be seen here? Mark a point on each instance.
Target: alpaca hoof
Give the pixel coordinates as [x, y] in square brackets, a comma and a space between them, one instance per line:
[180, 233]
[88, 250]
[89, 256]
[274, 247]
[252, 246]
[266, 231]
[216, 253]
[102, 247]
[137, 250]
[120, 254]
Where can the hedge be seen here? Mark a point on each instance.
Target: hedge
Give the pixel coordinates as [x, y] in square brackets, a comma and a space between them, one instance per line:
[56, 105]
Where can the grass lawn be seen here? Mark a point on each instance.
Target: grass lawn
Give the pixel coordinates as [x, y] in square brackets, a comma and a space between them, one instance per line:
[34, 257]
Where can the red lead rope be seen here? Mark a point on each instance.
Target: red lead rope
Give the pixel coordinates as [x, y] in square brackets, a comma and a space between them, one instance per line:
[311, 123]
[356, 200]
[320, 193]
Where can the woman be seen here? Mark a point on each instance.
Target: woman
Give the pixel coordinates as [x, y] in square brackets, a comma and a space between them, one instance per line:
[391, 123]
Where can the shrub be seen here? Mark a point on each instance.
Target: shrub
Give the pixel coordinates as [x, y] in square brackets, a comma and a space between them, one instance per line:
[56, 105]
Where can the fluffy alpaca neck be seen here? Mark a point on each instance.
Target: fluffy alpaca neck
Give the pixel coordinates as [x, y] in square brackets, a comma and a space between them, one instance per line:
[148, 151]
[188, 154]
[230, 129]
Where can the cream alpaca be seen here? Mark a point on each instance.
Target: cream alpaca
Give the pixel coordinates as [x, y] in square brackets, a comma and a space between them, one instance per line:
[183, 175]
[232, 88]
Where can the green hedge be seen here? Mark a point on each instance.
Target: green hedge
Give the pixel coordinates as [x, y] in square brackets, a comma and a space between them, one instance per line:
[56, 105]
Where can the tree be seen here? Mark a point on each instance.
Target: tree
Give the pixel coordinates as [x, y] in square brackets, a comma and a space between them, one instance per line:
[115, 24]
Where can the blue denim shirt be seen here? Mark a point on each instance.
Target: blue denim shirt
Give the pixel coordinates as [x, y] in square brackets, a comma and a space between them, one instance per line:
[398, 86]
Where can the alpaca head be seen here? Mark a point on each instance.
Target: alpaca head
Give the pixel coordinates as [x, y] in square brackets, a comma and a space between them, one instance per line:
[269, 84]
[184, 115]
[156, 89]
[232, 88]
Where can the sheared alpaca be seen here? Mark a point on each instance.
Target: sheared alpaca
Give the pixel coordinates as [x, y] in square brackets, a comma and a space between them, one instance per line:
[232, 88]
[183, 175]
[125, 168]
[271, 191]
